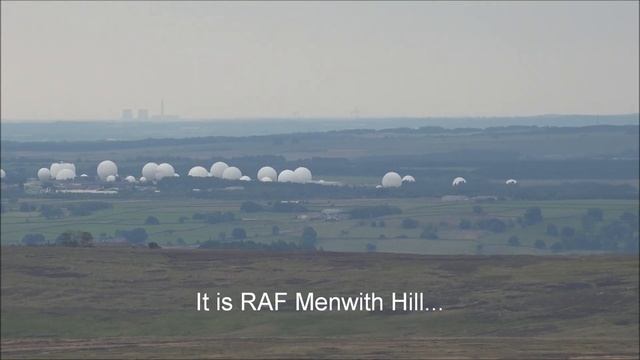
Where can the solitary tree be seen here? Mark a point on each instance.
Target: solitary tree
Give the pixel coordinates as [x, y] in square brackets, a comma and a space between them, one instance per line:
[239, 233]
[152, 220]
[33, 239]
[514, 241]
[309, 237]
[532, 216]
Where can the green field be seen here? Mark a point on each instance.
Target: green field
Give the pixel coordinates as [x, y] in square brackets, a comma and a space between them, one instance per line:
[114, 302]
[342, 235]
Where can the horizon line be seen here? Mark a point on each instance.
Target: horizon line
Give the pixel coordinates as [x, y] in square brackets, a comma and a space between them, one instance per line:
[175, 118]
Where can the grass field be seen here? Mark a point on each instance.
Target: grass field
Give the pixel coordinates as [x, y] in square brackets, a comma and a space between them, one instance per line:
[122, 302]
[343, 235]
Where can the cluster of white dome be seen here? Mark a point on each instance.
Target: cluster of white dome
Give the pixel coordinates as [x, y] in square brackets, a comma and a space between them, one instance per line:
[222, 170]
[267, 174]
[107, 171]
[219, 170]
[58, 171]
[393, 179]
[154, 172]
[301, 175]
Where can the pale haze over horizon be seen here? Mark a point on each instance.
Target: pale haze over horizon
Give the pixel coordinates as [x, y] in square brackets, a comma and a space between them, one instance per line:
[90, 60]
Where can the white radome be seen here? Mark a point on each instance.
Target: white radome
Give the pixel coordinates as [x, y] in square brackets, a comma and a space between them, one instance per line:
[53, 170]
[84, 175]
[232, 173]
[44, 174]
[218, 168]
[378, 186]
[164, 170]
[286, 176]
[266, 179]
[110, 178]
[3, 174]
[267, 172]
[245, 178]
[149, 170]
[408, 178]
[143, 179]
[69, 166]
[198, 171]
[107, 168]
[303, 175]
[391, 179]
[56, 167]
[65, 174]
[130, 179]
[458, 181]
[511, 182]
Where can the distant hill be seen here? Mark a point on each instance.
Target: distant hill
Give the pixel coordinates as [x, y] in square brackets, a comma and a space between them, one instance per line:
[64, 130]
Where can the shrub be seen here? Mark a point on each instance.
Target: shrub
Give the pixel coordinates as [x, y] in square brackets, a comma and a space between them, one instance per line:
[215, 217]
[26, 207]
[429, 232]
[552, 230]
[568, 231]
[152, 220]
[75, 239]
[409, 223]
[556, 246]
[309, 238]
[33, 239]
[154, 245]
[465, 224]
[540, 244]
[493, 224]
[513, 241]
[532, 216]
[596, 214]
[250, 207]
[477, 209]
[51, 212]
[630, 218]
[87, 207]
[134, 236]
[371, 247]
[238, 233]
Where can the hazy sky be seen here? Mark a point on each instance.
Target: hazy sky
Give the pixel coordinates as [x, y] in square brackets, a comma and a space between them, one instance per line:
[78, 60]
